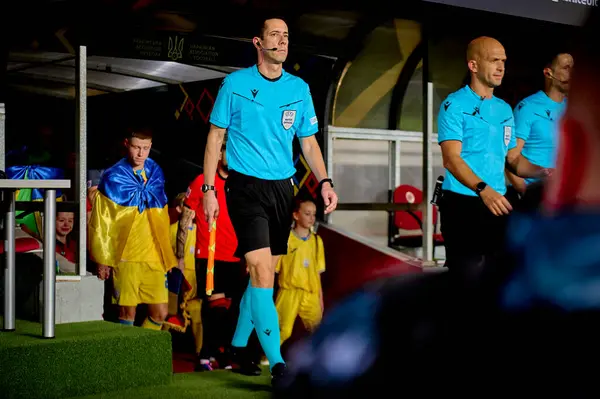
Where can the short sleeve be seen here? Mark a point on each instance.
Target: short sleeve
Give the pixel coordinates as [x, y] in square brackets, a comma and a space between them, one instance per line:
[220, 115]
[194, 195]
[523, 122]
[308, 123]
[450, 122]
[320, 255]
[513, 137]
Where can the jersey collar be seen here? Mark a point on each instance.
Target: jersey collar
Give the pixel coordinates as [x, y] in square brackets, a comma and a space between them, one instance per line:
[477, 96]
[547, 98]
[257, 73]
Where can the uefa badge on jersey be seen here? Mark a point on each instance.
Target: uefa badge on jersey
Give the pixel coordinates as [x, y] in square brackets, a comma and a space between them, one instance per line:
[288, 118]
[507, 134]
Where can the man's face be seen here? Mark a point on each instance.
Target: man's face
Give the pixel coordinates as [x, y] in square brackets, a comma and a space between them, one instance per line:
[275, 36]
[561, 72]
[489, 67]
[138, 150]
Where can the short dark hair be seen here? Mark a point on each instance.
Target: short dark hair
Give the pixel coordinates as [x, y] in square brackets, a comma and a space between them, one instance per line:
[142, 133]
[262, 25]
[553, 59]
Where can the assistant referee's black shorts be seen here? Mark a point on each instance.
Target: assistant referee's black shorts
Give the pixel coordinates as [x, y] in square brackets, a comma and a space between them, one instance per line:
[227, 276]
[260, 212]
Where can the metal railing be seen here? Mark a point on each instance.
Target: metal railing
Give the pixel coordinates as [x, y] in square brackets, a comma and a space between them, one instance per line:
[395, 139]
[49, 248]
[80, 181]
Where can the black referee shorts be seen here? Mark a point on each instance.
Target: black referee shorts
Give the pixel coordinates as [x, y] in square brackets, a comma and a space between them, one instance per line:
[513, 196]
[472, 234]
[260, 212]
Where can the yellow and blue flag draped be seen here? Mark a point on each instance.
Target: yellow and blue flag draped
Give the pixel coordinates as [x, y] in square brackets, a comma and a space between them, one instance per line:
[131, 211]
[33, 221]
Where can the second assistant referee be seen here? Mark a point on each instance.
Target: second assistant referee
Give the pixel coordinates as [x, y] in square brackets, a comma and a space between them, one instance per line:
[476, 135]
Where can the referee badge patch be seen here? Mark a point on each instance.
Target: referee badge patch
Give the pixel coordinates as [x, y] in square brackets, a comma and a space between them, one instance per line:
[507, 134]
[288, 118]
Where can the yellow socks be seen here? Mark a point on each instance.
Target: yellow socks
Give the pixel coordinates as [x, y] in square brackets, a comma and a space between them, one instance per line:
[151, 324]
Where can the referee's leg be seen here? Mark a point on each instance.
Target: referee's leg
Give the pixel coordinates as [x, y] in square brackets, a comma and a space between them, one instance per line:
[249, 201]
[464, 235]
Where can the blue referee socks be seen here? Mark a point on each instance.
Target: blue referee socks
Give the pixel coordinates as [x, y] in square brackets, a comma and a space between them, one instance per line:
[244, 326]
[266, 323]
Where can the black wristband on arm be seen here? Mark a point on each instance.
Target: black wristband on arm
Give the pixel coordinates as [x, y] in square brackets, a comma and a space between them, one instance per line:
[325, 181]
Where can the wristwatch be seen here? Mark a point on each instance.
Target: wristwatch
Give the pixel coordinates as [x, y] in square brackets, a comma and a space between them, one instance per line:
[206, 187]
[326, 181]
[480, 187]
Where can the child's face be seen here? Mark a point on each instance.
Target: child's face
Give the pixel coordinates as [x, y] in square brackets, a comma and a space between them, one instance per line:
[64, 223]
[306, 215]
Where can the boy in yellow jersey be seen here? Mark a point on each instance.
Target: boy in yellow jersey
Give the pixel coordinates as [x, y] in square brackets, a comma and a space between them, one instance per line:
[184, 304]
[300, 293]
[129, 232]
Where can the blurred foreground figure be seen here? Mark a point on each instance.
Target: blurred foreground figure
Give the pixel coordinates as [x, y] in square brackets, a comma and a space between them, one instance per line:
[531, 326]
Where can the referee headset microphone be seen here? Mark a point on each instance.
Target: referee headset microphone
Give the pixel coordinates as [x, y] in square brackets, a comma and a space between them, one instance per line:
[551, 76]
[259, 44]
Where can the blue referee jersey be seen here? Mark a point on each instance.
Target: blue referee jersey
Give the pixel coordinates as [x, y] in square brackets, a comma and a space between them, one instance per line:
[486, 129]
[536, 121]
[262, 116]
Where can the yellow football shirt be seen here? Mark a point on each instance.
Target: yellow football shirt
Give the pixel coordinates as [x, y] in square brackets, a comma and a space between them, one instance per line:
[303, 264]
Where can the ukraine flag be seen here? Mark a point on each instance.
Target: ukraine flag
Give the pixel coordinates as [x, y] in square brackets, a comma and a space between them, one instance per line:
[131, 209]
[33, 221]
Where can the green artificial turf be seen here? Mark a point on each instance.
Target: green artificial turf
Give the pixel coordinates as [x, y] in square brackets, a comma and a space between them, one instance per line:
[208, 385]
[84, 358]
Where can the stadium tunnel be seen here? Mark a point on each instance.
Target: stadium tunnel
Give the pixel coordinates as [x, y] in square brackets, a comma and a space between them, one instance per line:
[377, 74]
[369, 67]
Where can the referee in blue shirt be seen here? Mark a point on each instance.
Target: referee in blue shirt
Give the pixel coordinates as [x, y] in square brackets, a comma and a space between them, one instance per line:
[476, 135]
[263, 108]
[536, 124]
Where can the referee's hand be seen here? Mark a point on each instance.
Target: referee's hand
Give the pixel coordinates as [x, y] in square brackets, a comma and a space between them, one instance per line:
[330, 198]
[496, 203]
[211, 208]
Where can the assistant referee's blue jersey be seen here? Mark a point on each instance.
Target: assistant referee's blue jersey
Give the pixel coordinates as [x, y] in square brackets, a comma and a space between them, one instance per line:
[262, 116]
[485, 126]
[537, 121]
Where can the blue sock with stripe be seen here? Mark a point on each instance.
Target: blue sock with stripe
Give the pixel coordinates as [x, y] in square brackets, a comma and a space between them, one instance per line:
[266, 322]
[244, 326]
